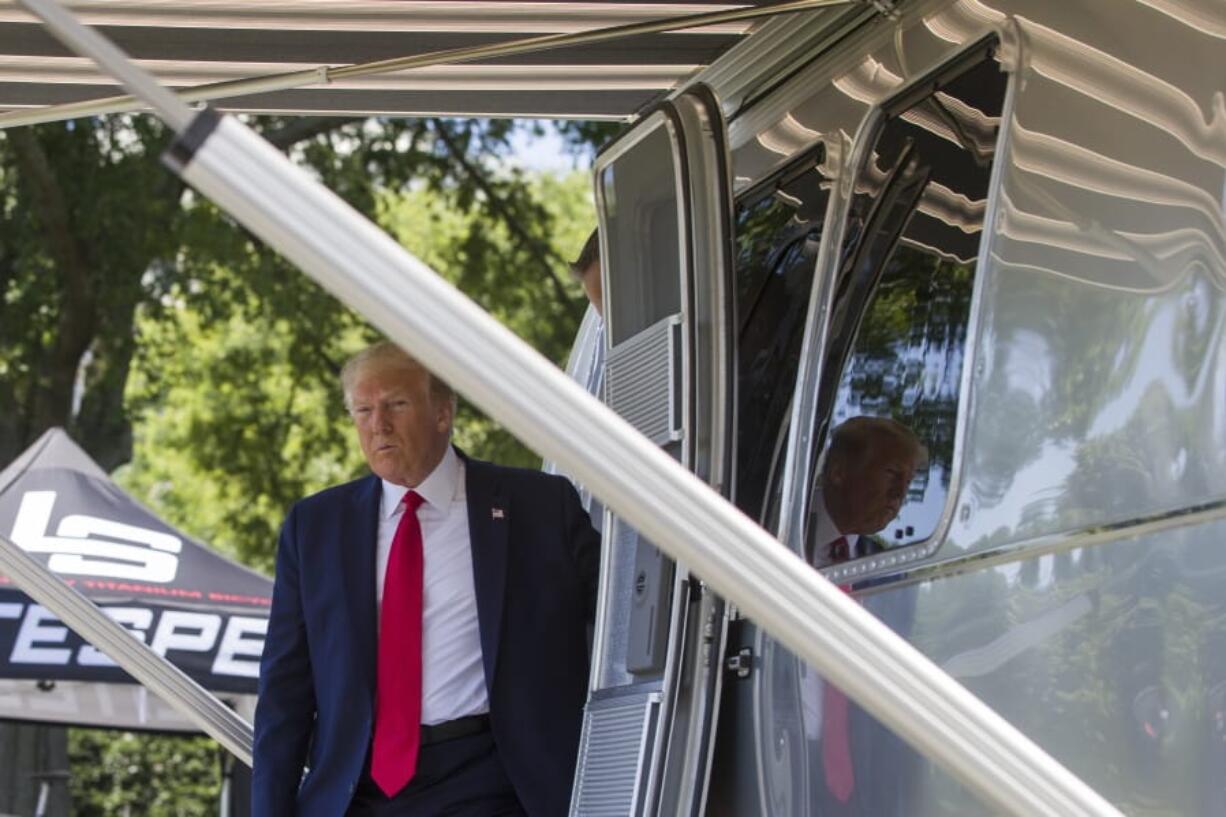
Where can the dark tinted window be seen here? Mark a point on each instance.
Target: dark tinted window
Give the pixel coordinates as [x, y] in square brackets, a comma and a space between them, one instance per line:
[907, 268]
[778, 233]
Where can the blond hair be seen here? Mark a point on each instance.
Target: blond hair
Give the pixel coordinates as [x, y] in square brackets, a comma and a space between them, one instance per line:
[387, 355]
[853, 439]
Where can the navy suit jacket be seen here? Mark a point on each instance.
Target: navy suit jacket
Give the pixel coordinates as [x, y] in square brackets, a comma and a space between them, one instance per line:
[535, 566]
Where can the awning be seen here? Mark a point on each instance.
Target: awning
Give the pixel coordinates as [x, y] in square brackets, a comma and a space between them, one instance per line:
[186, 43]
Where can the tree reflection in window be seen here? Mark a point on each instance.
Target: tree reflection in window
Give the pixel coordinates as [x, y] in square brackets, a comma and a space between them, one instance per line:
[899, 323]
[778, 234]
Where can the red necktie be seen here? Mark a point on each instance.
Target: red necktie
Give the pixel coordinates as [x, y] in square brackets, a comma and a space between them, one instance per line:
[840, 550]
[836, 738]
[393, 758]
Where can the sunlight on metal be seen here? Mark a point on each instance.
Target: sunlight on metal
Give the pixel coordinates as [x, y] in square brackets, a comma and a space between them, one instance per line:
[788, 137]
[1104, 78]
[869, 81]
[1050, 233]
[1207, 17]
[939, 201]
[329, 74]
[1065, 162]
[1131, 90]
[164, 679]
[778, 46]
[944, 256]
[952, 208]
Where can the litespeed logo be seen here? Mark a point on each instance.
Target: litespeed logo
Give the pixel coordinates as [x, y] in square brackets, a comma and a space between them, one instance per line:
[201, 642]
[122, 551]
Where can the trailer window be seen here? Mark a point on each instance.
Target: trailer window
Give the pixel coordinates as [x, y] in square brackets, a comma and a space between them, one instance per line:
[898, 330]
[778, 232]
[640, 197]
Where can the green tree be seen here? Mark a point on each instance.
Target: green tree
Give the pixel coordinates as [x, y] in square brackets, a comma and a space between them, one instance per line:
[154, 775]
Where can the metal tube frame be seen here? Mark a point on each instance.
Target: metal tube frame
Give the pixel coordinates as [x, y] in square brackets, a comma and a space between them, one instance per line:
[451, 335]
[325, 74]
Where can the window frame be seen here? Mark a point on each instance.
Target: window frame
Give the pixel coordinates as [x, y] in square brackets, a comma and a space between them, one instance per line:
[809, 431]
[662, 118]
[812, 158]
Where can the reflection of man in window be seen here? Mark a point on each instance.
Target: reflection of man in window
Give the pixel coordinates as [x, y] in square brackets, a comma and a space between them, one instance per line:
[863, 483]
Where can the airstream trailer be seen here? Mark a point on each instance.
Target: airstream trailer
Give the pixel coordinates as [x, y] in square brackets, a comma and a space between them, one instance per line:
[1001, 224]
[997, 222]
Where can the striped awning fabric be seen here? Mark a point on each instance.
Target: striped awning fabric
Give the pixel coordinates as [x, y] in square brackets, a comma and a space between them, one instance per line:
[189, 43]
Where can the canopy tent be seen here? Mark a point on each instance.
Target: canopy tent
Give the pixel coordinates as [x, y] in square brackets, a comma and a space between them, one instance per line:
[206, 614]
[189, 43]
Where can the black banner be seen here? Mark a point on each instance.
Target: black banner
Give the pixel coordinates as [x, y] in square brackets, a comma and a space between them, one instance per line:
[203, 612]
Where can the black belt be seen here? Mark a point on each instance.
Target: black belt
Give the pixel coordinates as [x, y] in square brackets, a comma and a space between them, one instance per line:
[458, 728]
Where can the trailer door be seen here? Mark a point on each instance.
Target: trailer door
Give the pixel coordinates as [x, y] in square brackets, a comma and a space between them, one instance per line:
[663, 196]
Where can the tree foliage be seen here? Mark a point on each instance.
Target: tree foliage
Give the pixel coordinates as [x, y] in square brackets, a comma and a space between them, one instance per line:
[126, 775]
[95, 236]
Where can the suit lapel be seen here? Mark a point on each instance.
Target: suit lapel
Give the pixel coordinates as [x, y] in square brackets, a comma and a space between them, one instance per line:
[359, 534]
[488, 517]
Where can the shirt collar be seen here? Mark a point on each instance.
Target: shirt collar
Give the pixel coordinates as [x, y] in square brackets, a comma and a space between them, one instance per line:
[437, 489]
[827, 531]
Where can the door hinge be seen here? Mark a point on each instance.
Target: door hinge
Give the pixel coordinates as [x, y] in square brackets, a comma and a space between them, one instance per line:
[741, 663]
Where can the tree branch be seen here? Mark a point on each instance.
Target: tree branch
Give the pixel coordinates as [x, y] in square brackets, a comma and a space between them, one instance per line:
[50, 205]
[299, 130]
[77, 321]
[543, 253]
[102, 425]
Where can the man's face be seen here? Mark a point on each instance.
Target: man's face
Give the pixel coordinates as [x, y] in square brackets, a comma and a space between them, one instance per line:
[871, 491]
[403, 428]
[592, 286]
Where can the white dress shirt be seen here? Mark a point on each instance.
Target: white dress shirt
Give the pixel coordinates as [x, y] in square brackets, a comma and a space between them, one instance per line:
[825, 532]
[453, 680]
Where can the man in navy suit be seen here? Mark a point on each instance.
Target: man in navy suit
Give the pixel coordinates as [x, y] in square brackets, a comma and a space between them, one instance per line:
[426, 651]
[863, 483]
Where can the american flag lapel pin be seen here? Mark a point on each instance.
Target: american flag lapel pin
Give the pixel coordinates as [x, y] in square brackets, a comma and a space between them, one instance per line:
[497, 513]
